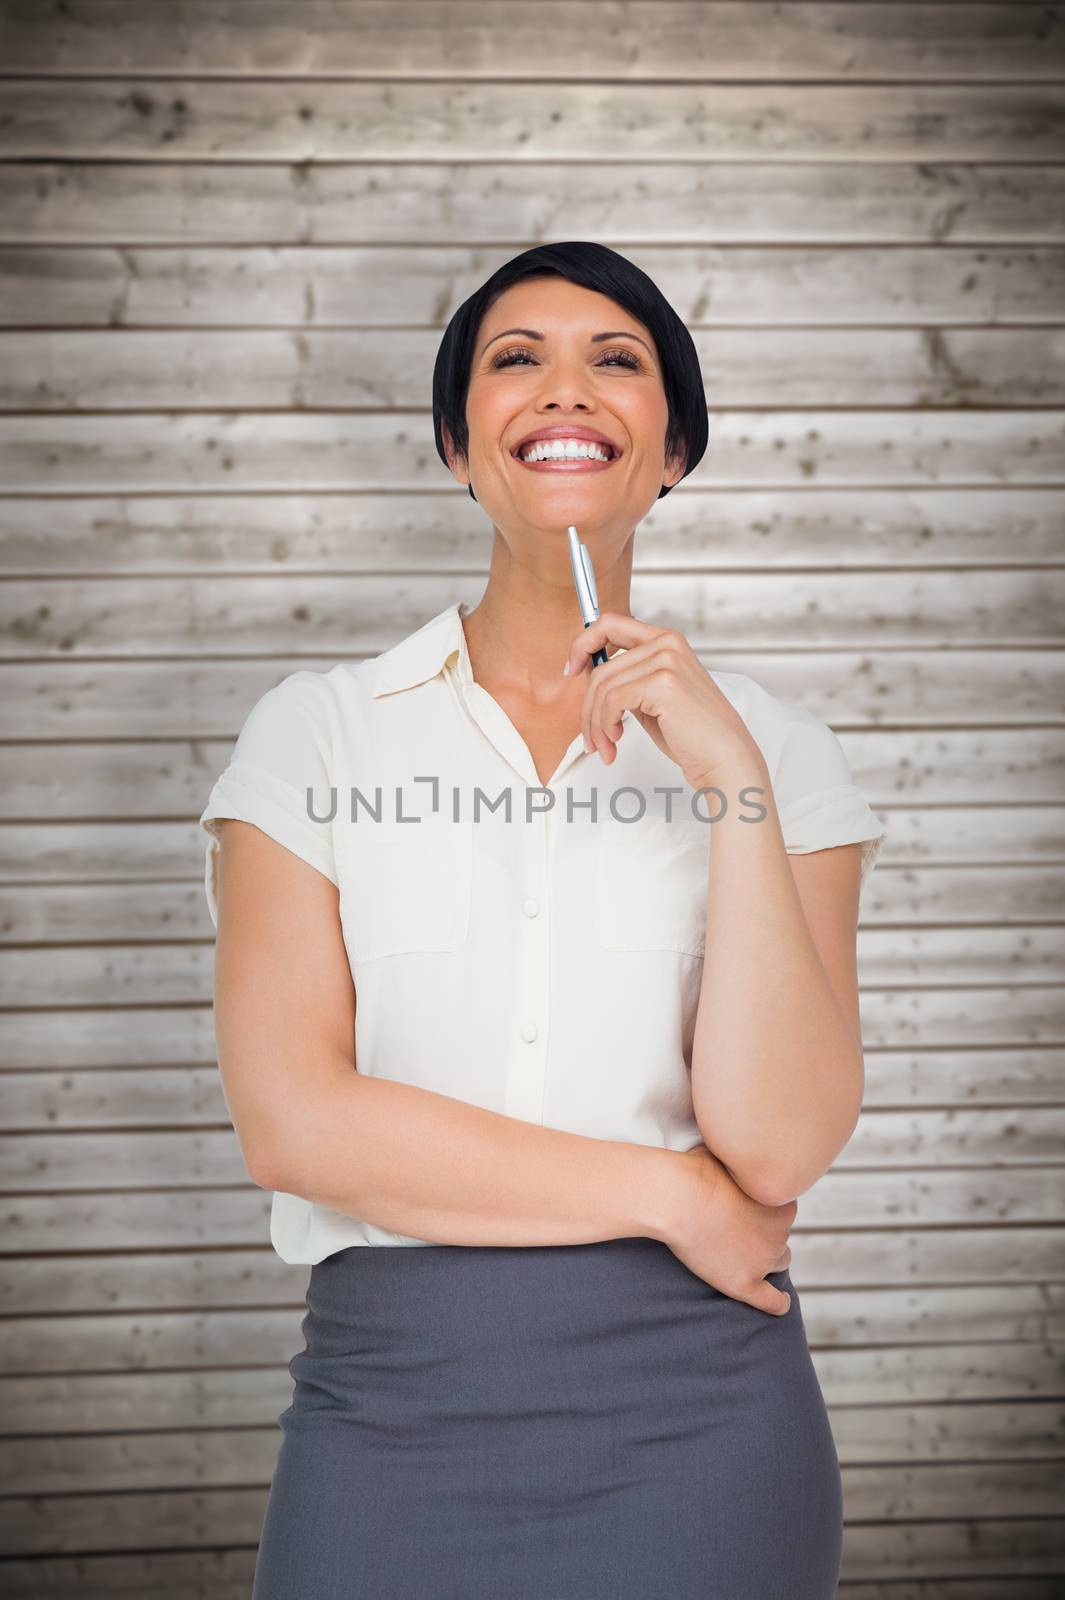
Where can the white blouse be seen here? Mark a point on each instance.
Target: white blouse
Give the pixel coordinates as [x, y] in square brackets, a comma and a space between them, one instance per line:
[545, 965]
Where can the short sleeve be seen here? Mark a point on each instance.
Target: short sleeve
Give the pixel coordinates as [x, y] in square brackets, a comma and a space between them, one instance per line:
[278, 778]
[818, 802]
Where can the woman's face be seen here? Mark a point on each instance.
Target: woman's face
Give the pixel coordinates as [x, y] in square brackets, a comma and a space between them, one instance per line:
[559, 370]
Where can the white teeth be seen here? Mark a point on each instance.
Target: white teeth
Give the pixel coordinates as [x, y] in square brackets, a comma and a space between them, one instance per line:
[565, 449]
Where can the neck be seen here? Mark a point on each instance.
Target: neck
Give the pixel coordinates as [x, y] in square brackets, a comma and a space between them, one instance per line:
[520, 632]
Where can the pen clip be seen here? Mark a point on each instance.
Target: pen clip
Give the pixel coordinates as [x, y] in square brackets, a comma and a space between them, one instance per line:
[583, 578]
[589, 578]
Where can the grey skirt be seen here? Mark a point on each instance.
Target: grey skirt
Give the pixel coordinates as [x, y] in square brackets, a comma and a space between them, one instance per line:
[574, 1422]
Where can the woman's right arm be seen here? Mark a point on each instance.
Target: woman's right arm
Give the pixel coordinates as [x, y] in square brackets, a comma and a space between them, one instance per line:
[407, 1159]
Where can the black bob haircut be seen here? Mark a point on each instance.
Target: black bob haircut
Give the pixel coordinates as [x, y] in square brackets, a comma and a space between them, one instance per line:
[592, 266]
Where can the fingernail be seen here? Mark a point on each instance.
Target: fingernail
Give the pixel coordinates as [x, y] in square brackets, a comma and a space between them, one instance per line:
[565, 670]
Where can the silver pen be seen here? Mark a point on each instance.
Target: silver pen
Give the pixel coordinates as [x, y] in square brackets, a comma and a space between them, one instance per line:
[584, 578]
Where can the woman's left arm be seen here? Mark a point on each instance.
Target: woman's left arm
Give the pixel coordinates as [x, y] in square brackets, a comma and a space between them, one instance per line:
[777, 1065]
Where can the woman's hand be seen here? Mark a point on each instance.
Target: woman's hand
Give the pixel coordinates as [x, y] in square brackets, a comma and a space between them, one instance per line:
[659, 678]
[725, 1237]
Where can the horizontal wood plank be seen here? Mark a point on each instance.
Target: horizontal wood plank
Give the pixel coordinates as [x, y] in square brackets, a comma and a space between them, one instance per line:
[174, 1520]
[501, 39]
[1028, 1586]
[189, 1280]
[428, 203]
[212, 1219]
[949, 1077]
[207, 1458]
[415, 120]
[218, 1573]
[74, 1404]
[935, 1550]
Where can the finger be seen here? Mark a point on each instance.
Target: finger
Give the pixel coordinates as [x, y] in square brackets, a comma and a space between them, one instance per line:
[635, 665]
[635, 661]
[597, 738]
[614, 689]
[765, 1297]
[611, 627]
[603, 708]
[611, 692]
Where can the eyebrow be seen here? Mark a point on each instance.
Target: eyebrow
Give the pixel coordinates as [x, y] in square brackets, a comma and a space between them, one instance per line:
[596, 338]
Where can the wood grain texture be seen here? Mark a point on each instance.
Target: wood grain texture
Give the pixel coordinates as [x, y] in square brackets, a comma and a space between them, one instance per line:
[502, 39]
[497, 202]
[537, 122]
[714, 286]
[231, 235]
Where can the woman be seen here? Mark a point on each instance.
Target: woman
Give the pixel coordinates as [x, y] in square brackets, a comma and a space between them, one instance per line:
[544, 1173]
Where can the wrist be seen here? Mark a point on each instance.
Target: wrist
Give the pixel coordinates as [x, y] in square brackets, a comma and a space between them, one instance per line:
[737, 765]
[663, 1191]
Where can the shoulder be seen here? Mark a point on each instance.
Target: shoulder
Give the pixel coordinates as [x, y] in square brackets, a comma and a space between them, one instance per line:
[789, 735]
[319, 690]
[817, 800]
[309, 705]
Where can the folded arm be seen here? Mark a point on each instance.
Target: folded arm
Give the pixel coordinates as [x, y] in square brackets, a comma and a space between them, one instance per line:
[405, 1159]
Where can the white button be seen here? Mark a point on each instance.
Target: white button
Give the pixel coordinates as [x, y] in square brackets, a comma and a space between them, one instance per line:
[531, 907]
[528, 1031]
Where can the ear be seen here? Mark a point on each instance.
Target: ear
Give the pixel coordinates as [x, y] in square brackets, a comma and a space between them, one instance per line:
[674, 469]
[455, 461]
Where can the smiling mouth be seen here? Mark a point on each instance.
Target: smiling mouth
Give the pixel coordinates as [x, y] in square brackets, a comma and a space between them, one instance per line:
[574, 464]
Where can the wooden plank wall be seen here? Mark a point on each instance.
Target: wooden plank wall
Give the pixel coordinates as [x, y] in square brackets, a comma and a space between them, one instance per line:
[231, 233]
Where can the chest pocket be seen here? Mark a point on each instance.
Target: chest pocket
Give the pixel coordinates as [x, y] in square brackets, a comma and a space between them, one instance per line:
[651, 883]
[404, 887]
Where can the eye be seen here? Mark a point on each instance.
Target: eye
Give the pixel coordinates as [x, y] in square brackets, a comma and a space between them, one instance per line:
[625, 357]
[508, 357]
